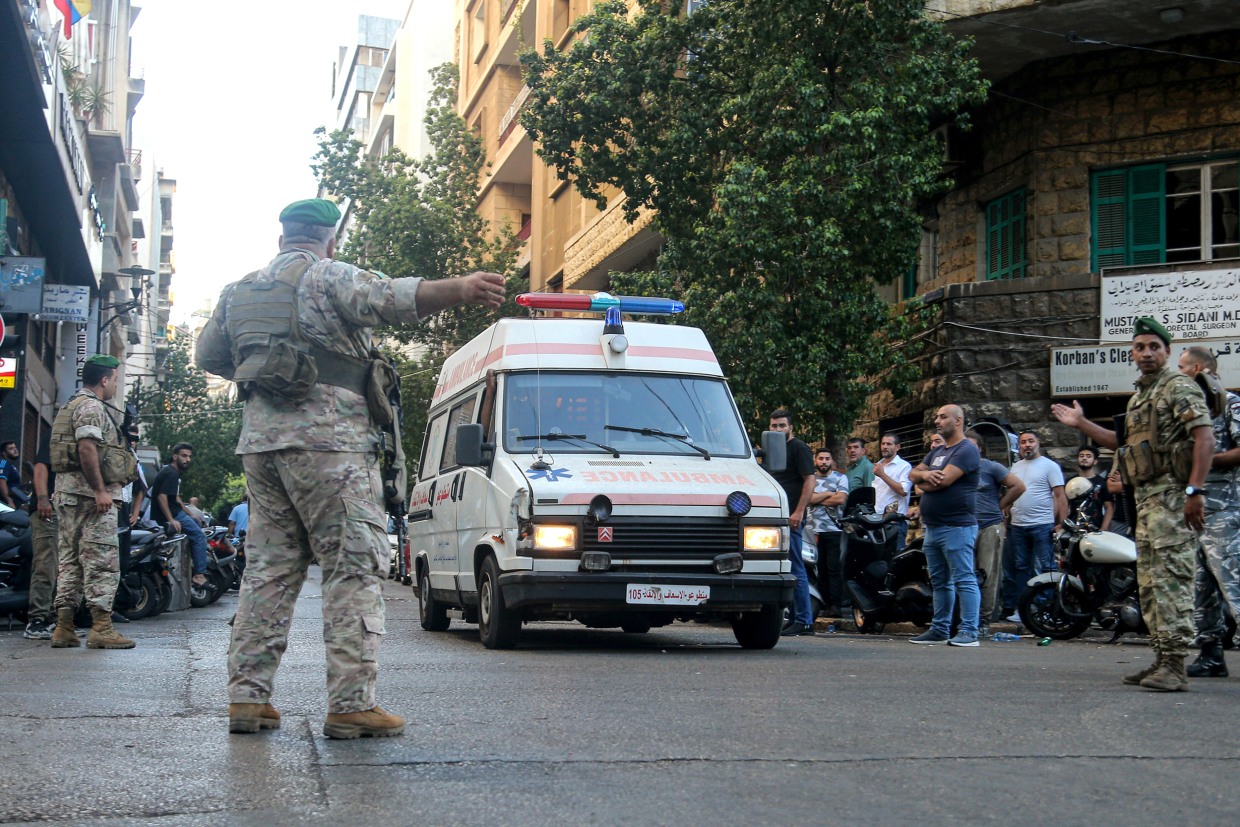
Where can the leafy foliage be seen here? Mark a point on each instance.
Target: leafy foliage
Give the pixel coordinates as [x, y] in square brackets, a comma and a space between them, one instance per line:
[178, 410]
[419, 218]
[785, 147]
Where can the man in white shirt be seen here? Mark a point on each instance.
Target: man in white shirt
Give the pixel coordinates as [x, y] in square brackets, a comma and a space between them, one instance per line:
[891, 483]
[1032, 520]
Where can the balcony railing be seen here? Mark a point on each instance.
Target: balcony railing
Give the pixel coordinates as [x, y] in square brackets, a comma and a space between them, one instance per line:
[509, 7]
[509, 122]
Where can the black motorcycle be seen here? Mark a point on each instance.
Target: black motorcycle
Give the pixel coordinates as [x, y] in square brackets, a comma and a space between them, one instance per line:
[1096, 582]
[886, 587]
[221, 569]
[145, 587]
[16, 561]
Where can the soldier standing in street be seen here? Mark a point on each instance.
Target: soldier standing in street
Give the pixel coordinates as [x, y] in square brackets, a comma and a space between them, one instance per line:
[1217, 585]
[1168, 443]
[296, 337]
[92, 463]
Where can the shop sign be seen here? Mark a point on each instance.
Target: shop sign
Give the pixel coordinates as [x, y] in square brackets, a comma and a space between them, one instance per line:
[1192, 305]
[1108, 369]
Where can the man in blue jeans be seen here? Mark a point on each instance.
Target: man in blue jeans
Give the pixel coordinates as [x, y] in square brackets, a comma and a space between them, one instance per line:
[797, 480]
[948, 481]
[168, 509]
[1032, 520]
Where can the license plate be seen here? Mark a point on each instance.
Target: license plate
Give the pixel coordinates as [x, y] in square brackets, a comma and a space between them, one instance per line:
[666, 595]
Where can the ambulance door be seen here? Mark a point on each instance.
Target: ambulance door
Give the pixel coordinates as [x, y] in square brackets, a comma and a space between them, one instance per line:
[456, 490]
[431, 524]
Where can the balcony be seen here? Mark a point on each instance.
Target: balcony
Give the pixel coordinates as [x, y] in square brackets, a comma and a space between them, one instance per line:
[509, 121]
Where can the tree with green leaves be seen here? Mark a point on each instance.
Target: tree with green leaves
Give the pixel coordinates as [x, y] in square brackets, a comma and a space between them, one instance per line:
[785, 148]
[419, 218]
[174, 411]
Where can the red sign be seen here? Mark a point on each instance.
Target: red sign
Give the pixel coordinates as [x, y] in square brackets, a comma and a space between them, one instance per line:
[604, 533]
[8, 373]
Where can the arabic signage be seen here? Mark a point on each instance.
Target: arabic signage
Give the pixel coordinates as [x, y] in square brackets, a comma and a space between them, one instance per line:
[1107, 370]
[21, 283]
[1192, 305]
[65, 303]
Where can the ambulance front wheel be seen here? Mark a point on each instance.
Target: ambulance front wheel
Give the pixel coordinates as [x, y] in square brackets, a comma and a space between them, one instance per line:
[759, 630]
[431, 613]
[498, 626]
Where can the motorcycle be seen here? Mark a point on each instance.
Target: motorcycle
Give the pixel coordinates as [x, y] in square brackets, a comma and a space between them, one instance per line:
[886, 587]
[221, 568]
[16, 560]
[145, 587]
[1096, 582]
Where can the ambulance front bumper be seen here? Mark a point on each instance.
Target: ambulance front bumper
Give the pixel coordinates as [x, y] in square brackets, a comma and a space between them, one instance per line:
[609, 591]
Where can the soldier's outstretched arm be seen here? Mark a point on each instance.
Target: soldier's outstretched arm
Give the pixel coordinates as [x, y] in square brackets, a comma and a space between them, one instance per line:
[1074, 417]
[481, 288]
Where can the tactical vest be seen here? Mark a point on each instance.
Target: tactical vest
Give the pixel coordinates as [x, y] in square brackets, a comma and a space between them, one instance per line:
[1143, 456]
[272, 356]
[117, 464]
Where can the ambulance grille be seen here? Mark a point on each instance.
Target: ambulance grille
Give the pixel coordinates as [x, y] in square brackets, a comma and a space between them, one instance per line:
[665, 538]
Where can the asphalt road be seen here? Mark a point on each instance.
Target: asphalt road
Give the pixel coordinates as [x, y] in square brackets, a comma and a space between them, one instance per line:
[678, 726]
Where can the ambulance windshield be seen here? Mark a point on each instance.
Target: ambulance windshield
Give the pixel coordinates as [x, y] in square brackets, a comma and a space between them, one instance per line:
[636, 413]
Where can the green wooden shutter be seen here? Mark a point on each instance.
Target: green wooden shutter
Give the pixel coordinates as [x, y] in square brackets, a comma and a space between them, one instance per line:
[909, 288]
[1128, 211]
[1147, 218]
[1005, 236]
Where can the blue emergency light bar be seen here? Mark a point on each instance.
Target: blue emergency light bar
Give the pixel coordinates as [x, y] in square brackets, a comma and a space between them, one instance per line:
[600, 303]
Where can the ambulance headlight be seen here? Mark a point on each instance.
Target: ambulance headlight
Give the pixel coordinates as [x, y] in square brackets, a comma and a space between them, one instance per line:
[555, 537]
[762, 538]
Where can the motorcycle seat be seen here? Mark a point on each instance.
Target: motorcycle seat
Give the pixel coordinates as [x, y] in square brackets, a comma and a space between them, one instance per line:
[138, 536]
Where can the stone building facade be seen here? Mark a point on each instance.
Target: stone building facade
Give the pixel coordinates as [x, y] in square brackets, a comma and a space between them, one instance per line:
[1101, 159]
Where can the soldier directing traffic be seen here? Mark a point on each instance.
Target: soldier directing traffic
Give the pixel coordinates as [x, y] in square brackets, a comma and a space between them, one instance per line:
[1167, 450]
[296, 338]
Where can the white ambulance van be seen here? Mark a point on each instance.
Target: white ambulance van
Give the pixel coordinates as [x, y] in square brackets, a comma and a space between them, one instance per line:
[597, 470]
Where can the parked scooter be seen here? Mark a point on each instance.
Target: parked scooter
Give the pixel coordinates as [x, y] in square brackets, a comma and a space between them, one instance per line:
[886, 587]
[1097, 582]
[16, 559]
[221, 569]
[145, 587]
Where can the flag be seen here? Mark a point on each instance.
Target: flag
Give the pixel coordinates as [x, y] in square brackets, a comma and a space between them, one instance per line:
[73, 10]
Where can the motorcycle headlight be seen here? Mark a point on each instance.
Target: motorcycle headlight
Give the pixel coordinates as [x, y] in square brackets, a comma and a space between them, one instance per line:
[555, 537]
[762, 538]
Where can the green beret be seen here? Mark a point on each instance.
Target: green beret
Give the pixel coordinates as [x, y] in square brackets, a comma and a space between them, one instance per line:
[317, 211]
[104, 361]
[1150, 326]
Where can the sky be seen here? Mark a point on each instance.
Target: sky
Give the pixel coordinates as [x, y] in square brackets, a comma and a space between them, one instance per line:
[234, 91]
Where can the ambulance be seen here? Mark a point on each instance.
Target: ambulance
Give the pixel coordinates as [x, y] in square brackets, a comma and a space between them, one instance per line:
[597, 470]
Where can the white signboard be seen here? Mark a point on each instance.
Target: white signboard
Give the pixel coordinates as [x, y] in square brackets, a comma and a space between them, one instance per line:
[1193, 305]
[65, 303]
[1107, 369]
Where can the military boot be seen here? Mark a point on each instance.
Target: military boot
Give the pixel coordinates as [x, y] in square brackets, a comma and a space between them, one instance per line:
[1170, 677]
[63, 636]
[1136, 677]
[372, 723]
[252, 717]
[103, 634]
[1209, 663]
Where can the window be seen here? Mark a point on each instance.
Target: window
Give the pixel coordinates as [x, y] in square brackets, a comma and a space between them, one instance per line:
[478, 31]
[461, 414]
[1005, 236]
[1156, 213]
[431, 445]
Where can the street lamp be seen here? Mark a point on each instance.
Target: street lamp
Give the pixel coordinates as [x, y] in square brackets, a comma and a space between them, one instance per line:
[122, 308]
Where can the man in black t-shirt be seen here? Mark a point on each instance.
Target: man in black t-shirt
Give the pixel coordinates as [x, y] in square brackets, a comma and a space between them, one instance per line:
[44, 537]
[168, 510]
[1088, 506]
[948, 480]
[797, 480]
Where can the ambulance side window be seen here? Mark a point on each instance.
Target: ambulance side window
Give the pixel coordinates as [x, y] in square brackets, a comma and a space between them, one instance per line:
[432, 443]
[461, 413]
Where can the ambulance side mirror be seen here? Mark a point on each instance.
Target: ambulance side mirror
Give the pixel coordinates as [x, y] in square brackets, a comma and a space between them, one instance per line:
[774, 451]
[470, 447]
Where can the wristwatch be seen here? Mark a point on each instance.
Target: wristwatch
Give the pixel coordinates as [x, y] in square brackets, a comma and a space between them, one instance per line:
[1193, 491]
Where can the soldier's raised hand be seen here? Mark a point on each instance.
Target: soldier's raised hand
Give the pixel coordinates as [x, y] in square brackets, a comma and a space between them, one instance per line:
[1069, 416]
[480, 287]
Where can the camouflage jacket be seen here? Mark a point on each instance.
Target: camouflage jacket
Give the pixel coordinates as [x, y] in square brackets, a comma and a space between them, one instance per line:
[1180, 407]
[89, 421]
[338, 305]
[1223, 484]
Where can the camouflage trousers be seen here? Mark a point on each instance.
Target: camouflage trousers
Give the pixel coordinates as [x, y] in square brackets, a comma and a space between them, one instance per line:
[1218, 570]
[45, 538]
[321, 507]
[1166, 559]
[89, 557]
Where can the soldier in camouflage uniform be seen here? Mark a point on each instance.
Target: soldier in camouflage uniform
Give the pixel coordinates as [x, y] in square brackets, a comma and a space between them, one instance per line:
[312, 464]
[1217, 585]
[85, 503]
[1168, 442]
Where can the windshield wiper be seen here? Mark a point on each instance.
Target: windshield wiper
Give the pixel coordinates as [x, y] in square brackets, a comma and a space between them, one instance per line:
[679, 439]
[577, 437]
